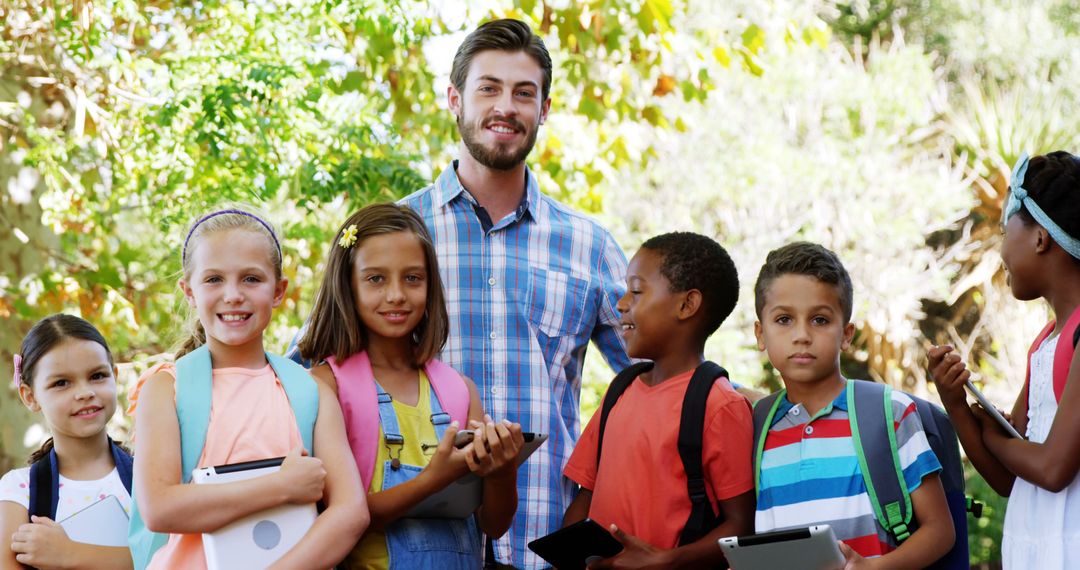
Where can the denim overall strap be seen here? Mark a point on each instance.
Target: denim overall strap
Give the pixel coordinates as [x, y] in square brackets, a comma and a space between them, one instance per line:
[447, 544]
[391, 431]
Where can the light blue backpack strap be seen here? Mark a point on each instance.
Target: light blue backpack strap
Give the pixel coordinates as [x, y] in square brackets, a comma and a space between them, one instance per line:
[194, 392]
[303, 396]
[873, 433]
[194, 389]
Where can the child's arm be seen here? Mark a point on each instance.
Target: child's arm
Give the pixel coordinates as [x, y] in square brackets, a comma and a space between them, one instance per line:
[493, 456]
[44, 545]
[933, 539]
[12, 515]
[579, 507]
[169, 506]
[949, 375]
[339, 527]
[1053, 464]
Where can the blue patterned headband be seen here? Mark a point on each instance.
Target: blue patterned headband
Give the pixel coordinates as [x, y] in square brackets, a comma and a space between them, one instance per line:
[1018, 196]
[183, 252]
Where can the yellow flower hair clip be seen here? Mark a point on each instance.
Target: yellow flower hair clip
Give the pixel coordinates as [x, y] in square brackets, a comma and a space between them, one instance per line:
[348, 237]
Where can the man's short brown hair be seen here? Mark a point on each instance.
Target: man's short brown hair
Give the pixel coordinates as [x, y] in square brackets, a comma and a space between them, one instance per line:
[502, 35]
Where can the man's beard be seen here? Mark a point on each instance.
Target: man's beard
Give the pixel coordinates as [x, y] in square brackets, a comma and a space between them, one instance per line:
[499, 157]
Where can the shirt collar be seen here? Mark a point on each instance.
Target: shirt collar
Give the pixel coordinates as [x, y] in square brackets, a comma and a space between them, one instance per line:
[839, 403]
[448, 187]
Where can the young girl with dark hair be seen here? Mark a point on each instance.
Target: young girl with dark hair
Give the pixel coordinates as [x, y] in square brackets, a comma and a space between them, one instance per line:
[1041, 252]
[378, 322]
[64, 370]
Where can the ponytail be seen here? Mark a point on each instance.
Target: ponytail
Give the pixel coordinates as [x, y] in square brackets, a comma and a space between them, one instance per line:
[41, 453]
[196, 339]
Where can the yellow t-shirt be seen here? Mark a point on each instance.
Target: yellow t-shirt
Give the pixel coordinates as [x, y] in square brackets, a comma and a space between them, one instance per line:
[420, 443]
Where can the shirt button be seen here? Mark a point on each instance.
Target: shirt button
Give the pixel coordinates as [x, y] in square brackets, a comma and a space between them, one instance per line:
[492, 335]
[495, 390]
[795, 411]
[809, 430]
[491, 281]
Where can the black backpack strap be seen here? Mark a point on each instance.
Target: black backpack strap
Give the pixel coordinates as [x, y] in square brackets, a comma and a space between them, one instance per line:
[614, 392]
[702, 517]
[44, 487]
[1076, 337]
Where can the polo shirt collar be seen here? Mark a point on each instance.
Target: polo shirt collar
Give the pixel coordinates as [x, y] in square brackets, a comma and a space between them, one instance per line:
[838, 403]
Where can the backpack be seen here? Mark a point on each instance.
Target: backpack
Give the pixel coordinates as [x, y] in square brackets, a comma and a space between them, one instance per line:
[359, 403]
[45, 480]
[1063, 354]
[702, 517]
[870, 414]
[194, 390]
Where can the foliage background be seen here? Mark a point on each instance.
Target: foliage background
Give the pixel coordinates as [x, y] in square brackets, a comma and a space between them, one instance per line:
[881, 128]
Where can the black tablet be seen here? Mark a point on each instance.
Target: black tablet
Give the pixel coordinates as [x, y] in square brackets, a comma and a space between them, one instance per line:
[573, 547]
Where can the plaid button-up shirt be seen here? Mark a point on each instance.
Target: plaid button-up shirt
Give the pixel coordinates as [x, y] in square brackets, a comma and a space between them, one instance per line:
[525, 297]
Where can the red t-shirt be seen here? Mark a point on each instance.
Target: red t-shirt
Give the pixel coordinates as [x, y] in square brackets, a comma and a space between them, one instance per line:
[641, 485]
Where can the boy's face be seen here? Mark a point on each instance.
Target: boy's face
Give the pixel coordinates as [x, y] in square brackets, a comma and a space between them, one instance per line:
[649, 309]
[802, 328]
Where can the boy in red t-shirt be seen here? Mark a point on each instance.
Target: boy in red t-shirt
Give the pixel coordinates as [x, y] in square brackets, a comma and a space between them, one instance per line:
[680, 287]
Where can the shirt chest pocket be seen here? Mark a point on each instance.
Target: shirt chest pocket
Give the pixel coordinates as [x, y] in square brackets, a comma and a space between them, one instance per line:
[556, 302]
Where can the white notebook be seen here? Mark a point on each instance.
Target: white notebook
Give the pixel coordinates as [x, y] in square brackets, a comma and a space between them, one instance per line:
[257, 540]
[104, 523]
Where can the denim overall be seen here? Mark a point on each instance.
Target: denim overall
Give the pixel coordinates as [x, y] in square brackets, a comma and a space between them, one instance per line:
[413, 544]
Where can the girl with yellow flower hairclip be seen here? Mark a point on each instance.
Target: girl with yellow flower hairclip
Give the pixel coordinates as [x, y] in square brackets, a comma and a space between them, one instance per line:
[378, 322]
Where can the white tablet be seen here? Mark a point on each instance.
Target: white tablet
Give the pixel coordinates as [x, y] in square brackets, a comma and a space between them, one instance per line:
[808, 548]
[992, 410]
[257, 540]
[104, 523]
[462, 497]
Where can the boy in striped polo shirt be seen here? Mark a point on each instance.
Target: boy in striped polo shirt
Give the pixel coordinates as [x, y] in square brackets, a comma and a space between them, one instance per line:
[809, 470]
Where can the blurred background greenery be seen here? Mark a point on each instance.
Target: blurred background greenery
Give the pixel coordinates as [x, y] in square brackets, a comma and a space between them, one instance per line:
[882, 128]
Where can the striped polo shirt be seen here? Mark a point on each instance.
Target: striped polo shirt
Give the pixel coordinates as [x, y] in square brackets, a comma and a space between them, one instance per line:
[810, 472]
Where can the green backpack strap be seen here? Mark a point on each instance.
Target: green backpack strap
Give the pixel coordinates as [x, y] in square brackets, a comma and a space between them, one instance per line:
[764, 411]
[303, 396]
[870, 413]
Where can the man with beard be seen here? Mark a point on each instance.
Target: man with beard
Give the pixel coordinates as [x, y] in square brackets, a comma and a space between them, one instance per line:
[529, 282]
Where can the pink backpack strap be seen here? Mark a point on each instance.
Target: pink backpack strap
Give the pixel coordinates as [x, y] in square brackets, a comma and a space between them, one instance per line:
[450, 389]
[359, 406]
[1063, 354]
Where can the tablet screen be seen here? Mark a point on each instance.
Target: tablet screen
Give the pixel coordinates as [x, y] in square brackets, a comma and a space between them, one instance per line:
[573, 547]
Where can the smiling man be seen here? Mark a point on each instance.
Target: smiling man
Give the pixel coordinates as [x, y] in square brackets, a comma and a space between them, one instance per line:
[529, 282]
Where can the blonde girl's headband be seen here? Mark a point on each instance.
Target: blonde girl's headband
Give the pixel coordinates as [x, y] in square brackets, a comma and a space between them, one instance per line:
[183, 253]
[1018, 196]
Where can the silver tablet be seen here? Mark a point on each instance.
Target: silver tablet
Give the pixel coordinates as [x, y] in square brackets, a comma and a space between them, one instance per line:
[259, 539]
[808, 548]
[992, 410]
[462, 497]
[104, 523]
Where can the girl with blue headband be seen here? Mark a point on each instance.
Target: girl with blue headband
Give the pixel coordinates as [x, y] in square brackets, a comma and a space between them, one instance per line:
[226, 400]
[1039, 473]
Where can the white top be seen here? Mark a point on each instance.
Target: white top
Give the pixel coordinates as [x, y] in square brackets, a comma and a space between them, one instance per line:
[74, 495]
[1042, 529]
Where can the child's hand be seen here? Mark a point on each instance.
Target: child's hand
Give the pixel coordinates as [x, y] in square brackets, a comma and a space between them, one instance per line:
[41, 543]
[989, 425]
[302, 477]
[853, 560]
[636, 553]
[949, 374]
[495, 447]
[448, 463]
